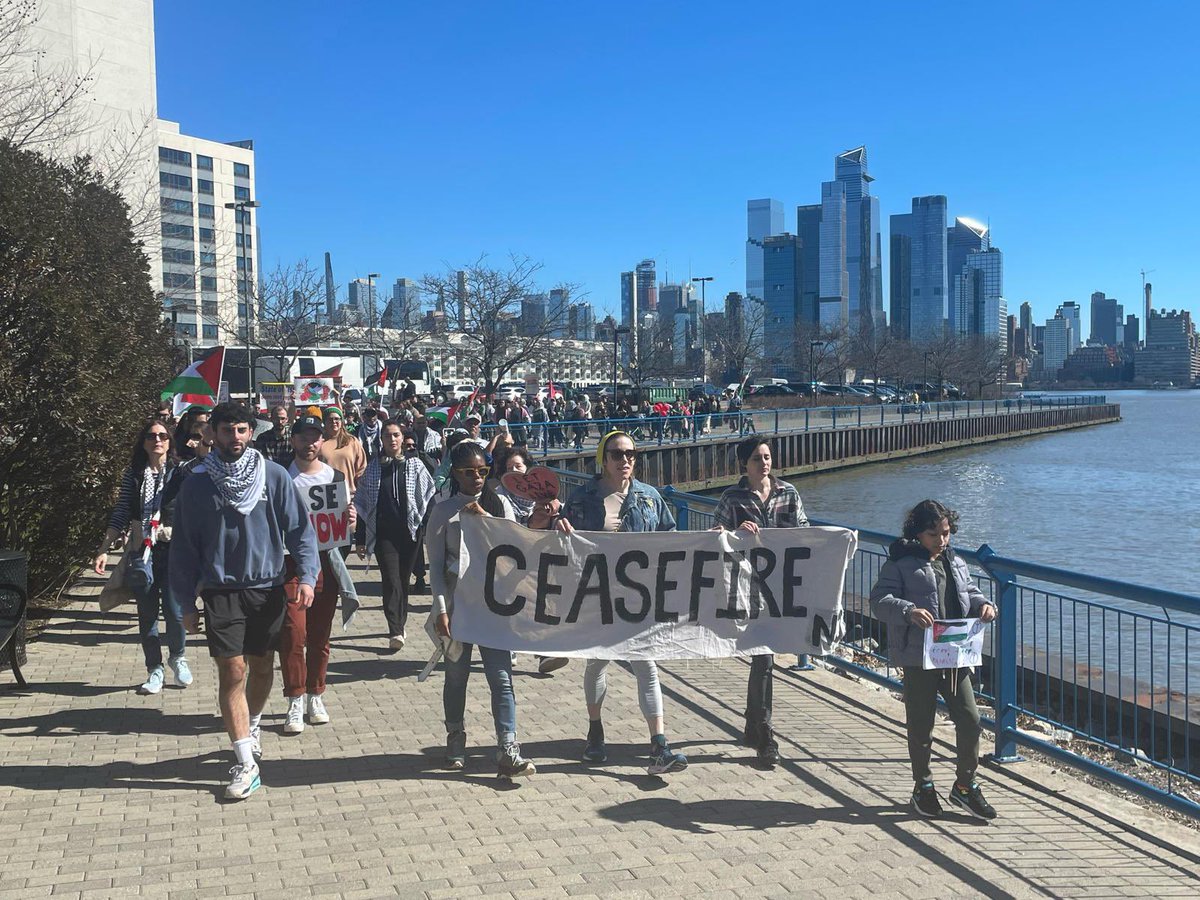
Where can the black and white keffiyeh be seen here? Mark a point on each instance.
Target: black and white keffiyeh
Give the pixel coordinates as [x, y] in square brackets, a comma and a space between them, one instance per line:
[239, 483]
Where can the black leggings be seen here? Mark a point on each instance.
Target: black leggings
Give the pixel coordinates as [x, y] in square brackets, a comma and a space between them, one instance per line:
[396, 553]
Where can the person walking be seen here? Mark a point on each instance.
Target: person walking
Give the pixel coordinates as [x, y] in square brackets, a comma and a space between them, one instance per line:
[146, 499]
[923, 580]
[442, 543]
[235, 516]
[304, 636]
[759, 500]
[276, 444]
[616, 501]
[396, 495]
[342, 450]
[397, 491]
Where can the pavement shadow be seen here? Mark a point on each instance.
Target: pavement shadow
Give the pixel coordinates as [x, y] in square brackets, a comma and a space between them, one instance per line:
[123, 721]
[759, 815]
[344, 671]
[67, 689]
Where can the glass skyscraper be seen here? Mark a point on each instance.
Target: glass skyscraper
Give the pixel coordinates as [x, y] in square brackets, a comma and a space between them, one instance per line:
[919, 290]
[783, 276]
[763, 219]
[964, 237]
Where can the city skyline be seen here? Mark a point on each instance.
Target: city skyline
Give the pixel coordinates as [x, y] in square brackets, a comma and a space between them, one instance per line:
[489, 174]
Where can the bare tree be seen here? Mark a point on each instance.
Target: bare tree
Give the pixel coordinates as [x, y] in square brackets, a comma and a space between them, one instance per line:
[487, 304]
[738, 343]
[288, 317]
[821, 352]
[979, 364]
[876, 353]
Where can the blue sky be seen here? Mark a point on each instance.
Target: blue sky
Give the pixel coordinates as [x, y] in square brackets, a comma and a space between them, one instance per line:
[406, 137]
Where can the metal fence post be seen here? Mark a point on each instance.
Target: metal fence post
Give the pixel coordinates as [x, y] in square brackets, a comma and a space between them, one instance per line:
[681, 507]
[1006, 661]
[777, 421]
[860, 416]
[806, 418]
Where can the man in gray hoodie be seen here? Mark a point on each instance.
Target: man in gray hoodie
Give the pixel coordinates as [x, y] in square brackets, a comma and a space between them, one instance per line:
[234, 518]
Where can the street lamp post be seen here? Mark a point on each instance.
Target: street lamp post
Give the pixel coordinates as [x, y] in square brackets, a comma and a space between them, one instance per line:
[239, 207]
[812, 372]
[704, 280]
[925, 375]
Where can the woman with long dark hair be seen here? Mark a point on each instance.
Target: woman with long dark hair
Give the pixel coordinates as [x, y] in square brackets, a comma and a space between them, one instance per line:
[759, 500]
[470, 492]
[146, 500]
[395, 495]
[616, 501]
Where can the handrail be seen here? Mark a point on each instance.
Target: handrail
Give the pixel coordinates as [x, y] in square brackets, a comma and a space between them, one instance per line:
[1133, 708]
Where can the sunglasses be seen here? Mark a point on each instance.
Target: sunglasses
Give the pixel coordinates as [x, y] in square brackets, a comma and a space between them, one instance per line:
[157, 436]
[480, 471]
[615, 455]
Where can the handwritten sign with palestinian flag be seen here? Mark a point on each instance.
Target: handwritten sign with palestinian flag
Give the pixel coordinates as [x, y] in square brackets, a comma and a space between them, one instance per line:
[199, 384]
[954, 644]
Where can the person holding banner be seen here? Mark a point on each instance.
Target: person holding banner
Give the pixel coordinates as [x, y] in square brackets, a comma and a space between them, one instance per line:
[396, 494]
[921, 582]
[308, 629]
[443, 540]
[759, 500]
[616, 501]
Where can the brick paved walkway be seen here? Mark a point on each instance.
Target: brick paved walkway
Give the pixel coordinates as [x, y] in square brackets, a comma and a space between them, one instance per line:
[104, 793]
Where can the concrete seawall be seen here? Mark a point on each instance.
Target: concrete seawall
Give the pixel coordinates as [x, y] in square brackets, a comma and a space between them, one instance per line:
[712, 464]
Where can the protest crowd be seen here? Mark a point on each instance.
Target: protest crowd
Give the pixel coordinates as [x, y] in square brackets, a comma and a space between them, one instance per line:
[240, 528]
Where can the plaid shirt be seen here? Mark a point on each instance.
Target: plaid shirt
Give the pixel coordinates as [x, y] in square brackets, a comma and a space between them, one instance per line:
[275, 447]
[739, 504]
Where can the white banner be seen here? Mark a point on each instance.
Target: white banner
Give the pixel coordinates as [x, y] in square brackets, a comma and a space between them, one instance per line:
[954, 644]
[663, 595]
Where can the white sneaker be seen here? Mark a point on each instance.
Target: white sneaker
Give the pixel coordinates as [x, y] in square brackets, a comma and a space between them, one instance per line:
[317, 714]
[396, 641]
[183, 672]
[295, 716]
[256, 737]
[153, 683]
[245, 782]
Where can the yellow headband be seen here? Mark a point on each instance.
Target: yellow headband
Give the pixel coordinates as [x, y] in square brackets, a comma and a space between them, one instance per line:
[604, 443]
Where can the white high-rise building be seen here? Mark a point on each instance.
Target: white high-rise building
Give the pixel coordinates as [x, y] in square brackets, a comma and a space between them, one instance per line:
[1056, 344]
[193, 252]
[208, 266]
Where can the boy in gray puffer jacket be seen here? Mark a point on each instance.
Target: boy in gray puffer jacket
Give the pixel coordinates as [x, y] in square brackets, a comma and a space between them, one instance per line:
[922, 581]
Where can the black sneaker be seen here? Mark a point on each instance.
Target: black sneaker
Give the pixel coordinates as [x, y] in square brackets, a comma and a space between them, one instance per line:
[925, 800]
[768, 747]
[595, 751]
[456, 750]
[511, 764]
[971, 800]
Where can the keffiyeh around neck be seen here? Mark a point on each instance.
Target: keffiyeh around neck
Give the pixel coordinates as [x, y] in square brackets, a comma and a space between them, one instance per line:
[239, 483]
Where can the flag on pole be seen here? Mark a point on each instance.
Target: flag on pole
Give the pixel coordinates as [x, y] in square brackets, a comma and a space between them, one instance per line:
[377, 383]
[331, 372]
[461, 407]
[199, 384]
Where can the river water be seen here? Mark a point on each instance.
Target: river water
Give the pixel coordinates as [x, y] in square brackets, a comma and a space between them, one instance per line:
[1120, 500]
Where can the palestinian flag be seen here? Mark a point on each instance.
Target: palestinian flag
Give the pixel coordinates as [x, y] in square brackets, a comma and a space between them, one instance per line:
[199, 384]
[440, 413]
[332, 372]
[377, 383]
[461, 407]
[951, 632]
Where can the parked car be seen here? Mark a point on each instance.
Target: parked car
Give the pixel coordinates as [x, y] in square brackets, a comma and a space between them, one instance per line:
[772, 390]
[460, 391]
[510, 390]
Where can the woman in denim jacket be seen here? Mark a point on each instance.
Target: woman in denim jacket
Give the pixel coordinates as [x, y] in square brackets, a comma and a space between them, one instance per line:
[616, 501]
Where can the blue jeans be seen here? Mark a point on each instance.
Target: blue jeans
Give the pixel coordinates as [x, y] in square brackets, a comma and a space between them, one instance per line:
[159, 598]
[497, 666]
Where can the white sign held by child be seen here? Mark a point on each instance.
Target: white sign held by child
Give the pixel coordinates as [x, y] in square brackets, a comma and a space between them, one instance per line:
[954, 644]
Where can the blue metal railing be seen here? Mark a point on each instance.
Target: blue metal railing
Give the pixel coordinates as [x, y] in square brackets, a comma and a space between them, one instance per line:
[1093, 659]
[577, 434]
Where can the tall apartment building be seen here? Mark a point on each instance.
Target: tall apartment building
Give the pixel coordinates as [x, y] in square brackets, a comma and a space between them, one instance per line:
[919, 293]
[1172, 350]
[763, 218]
[361, 298]
[403, 310]
[783, 276]
[1108, 320]
[176, 185]
[1072, 311]
[1056, 345]
[979, 296]
[208, 251]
